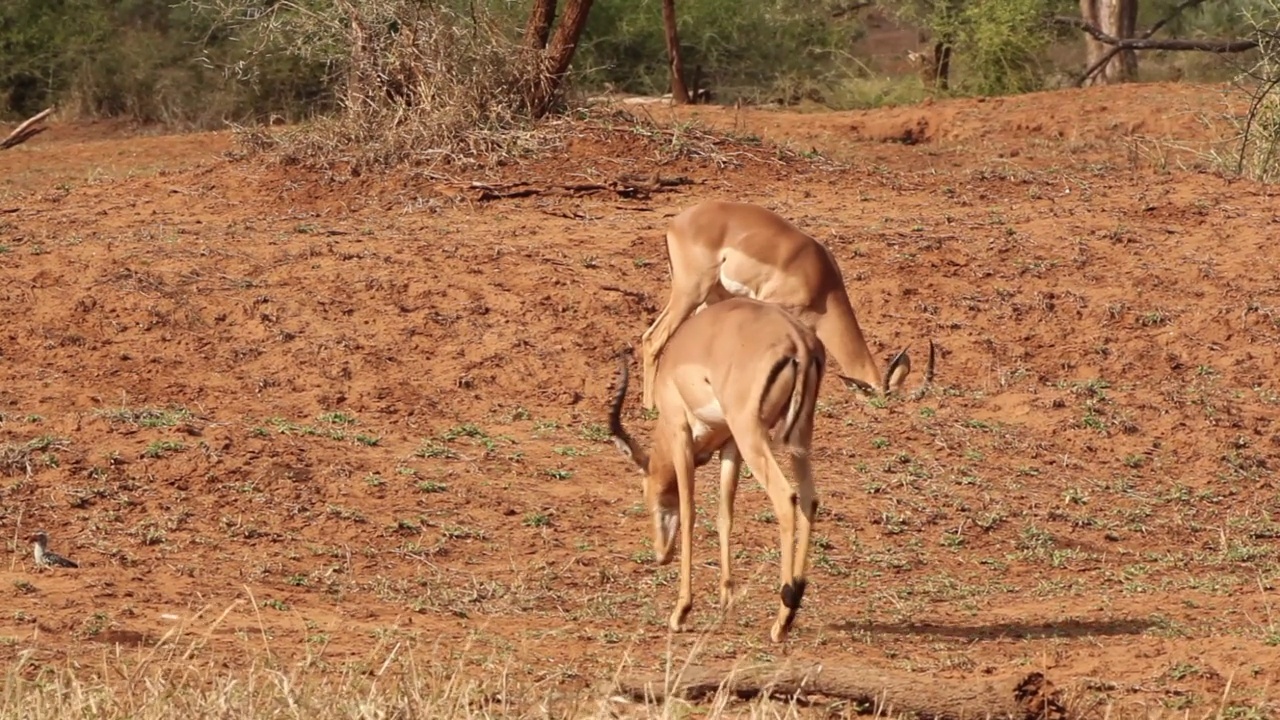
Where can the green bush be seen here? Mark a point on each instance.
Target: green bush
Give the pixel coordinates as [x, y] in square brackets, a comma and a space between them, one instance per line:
[1000, 46]
[144, 60]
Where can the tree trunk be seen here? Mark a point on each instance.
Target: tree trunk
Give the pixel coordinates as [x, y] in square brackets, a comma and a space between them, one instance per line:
[559, 54]
[679, 93]
[538, 29]
[1129, 28]
[1119, 19]
[942, 64]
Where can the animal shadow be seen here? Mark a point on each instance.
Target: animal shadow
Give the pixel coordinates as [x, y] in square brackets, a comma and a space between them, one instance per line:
[1002, 631]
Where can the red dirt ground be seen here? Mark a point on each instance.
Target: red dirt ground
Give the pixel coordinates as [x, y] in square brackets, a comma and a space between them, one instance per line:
[383, 406]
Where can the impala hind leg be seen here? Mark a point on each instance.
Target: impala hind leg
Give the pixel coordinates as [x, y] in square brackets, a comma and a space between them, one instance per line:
[682, 455]
[730, 466]
[802, 469]
[808, 510]
[754, 446]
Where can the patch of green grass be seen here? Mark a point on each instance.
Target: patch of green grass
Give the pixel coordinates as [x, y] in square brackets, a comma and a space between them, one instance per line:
[161, 448]
[537, 519]
[24, 457]
[431, 449]
[145, 417]
[596, 432]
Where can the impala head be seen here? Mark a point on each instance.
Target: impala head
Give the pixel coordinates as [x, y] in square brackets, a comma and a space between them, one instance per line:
[661, 495]
[894, 376]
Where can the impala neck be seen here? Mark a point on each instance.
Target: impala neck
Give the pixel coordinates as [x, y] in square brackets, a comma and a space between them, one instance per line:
[839, 331]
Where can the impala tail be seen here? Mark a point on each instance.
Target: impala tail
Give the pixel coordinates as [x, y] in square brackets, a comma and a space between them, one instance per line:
[621, 438]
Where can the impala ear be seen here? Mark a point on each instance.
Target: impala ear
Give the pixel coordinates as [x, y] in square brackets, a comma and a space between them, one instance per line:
[928, 375]
[898, 370]
[857, 385]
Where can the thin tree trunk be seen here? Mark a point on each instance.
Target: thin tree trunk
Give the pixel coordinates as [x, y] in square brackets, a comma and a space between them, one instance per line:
[942, 64]
[1117, 18]
[538, 29]
[1129, 28]
[679, 93]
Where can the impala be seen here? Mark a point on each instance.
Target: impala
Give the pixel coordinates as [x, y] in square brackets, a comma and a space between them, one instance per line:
[717, 250]
[729, 375]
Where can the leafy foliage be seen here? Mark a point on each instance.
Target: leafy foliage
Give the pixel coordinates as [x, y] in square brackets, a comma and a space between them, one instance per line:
[1001, 44]
[760, 50]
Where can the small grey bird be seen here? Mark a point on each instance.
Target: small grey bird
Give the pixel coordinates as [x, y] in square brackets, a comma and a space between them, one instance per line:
[44, 556]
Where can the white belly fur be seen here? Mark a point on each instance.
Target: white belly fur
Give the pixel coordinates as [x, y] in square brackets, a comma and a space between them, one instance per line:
[734, 287]
[703, 418]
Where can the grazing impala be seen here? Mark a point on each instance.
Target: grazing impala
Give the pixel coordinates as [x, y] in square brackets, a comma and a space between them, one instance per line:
[730, 374]
[719, 249]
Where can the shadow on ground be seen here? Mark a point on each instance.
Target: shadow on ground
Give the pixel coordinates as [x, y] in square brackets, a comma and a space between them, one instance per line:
[1036, 631]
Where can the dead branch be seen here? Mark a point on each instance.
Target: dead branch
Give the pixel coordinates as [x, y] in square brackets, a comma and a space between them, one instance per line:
[851, 8]
[1149, 43]
[640, 297]
[571, 214]
[624, 186]
[26, 130]
[892, 693]
[1116, 50]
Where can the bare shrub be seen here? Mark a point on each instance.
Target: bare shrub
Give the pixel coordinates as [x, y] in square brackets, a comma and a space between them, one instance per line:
[415, 82]
[1257, 143]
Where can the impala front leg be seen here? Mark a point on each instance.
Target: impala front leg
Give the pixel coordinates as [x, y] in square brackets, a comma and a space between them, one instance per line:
[652, 342]
[730, 466]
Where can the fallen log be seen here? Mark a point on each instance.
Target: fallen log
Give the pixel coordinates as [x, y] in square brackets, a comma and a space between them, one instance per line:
[883, 692]
[26, 130]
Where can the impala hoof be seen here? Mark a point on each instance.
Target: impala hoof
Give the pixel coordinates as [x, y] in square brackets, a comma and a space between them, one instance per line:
[726, 595]
[676, 624]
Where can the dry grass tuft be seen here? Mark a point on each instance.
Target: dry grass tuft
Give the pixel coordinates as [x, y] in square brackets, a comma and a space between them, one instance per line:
[1254, 140]
[182, 675]
[418, 83]
[432, 87]
[19, 458]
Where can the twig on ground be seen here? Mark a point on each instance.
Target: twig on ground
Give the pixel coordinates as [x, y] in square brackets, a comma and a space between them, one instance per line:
[623, 186]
